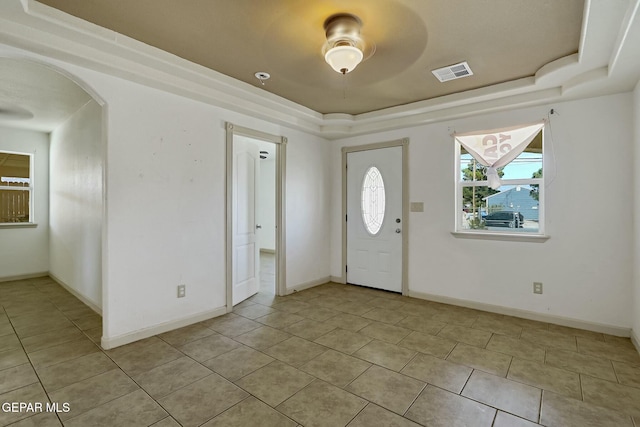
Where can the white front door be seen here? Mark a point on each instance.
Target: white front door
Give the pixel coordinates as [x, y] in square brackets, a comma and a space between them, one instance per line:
[246, 255]
[374, 218]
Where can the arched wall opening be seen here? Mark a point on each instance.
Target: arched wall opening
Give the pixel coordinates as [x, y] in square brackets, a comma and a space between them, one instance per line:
[65, 134]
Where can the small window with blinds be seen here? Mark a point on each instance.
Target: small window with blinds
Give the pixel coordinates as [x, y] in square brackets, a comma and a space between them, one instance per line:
[15, 187]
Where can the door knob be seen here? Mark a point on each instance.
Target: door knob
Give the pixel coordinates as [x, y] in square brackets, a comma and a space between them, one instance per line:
[398, 230]
[258, 226]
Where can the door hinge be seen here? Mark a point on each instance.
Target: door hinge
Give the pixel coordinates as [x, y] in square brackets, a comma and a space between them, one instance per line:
[346, 218]
[346, 268]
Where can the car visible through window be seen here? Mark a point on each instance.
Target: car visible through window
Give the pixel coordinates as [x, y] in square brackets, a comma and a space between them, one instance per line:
[504, 219]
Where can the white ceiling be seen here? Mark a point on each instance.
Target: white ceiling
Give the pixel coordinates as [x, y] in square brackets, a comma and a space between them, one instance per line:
[33, 96]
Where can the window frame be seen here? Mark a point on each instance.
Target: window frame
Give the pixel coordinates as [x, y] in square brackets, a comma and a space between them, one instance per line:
[460, 184]
[29, 189]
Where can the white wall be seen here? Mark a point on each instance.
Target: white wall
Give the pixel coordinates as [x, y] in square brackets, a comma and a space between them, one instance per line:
[24, 251]
[75, 198]
[636, 219]
[267, 204]
[308, 216]
[165, 204]
[586, 265]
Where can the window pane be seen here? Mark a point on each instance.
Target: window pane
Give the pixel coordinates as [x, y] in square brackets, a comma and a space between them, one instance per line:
[373, 200]
[14, 172]
[526, 166]
[14, 169]
[514, 208]
[14, 205]
[470, 168]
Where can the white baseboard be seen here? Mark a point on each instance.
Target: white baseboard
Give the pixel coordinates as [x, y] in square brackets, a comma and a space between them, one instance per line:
[111, 342]
[89, 303]
[525, 314]
[24, 276]
[337, 279]
[307, 285]
[635, 340]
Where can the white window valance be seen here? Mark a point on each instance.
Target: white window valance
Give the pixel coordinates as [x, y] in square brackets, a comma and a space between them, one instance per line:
[498, 147]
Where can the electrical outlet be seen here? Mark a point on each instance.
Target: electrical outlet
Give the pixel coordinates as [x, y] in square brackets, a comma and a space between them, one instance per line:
[537, 287]
[181, 291]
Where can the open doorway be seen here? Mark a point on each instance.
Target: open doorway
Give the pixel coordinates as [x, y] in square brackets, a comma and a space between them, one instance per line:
[266, 217]
[255, 214]
[59, 123]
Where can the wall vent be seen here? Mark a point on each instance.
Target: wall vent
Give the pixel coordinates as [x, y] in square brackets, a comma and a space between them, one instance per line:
[452, 72]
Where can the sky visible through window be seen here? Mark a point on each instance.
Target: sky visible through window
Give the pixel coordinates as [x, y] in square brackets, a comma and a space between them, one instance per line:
[523, 167]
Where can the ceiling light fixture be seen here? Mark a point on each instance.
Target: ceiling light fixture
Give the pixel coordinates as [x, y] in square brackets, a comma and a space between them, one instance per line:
[345, 48]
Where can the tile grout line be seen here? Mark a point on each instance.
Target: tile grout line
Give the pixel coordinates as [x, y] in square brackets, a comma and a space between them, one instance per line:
[281, 328]
[509, 368]
[358, 376]
[424, 387]
[615, 373]
[117, 367]
[410, 360]
[451, 351]
[483, 403]
[359, 412]
[495, 417]
[169, 414]
[540, 407]
[30, 363]
[351, 355]
[116, 364]
[467, 382]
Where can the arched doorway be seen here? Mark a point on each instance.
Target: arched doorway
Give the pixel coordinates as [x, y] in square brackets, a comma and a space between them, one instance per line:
[61, 130]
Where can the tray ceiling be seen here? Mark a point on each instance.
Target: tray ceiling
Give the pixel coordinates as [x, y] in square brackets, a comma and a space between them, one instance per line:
[502, 40]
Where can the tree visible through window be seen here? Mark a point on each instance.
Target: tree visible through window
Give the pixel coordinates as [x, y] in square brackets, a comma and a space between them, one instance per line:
[15, 187]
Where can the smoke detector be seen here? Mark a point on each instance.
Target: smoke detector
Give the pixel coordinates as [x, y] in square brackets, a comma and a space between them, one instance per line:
[262, 76]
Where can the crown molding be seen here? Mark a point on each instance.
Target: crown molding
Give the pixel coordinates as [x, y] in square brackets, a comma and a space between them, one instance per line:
[39, 29]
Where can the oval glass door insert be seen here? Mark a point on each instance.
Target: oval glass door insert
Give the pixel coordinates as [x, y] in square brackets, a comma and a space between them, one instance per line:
[373, 200]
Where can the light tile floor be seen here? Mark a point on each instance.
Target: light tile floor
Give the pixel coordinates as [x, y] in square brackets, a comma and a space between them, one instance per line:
[267, 273]
[333, 355]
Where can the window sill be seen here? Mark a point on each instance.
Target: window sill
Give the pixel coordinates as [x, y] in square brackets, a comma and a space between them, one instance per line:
[18, 225]
[508, 237]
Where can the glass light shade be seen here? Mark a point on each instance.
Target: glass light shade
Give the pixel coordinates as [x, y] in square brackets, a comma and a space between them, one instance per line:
[343, 59]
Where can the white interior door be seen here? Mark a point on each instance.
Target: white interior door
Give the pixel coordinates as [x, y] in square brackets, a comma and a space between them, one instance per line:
[246, 251]
[374, 218]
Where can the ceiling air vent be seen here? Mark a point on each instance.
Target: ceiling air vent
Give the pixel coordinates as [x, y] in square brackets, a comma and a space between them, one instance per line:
[452, 72]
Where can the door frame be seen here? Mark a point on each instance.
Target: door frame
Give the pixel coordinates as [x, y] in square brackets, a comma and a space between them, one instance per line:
[404, 143]
[281, 149]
